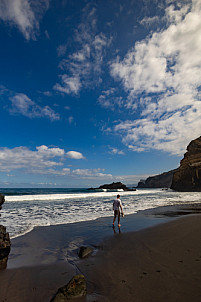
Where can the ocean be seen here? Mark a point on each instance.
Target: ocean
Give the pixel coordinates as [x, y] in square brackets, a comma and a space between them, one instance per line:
[25, 209]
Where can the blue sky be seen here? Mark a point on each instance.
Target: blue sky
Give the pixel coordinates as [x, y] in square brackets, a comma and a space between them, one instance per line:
[97, 91]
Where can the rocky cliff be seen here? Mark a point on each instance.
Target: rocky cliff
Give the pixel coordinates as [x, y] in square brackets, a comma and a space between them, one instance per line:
[163, 180]
[4, 241]
[188, 176]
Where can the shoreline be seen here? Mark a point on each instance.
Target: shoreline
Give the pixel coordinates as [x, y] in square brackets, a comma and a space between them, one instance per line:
[92, 232]
[47, 244]
[54, 248]
[49, 211]
[166, 210]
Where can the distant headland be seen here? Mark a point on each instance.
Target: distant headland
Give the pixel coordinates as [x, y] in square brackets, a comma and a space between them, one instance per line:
[186, 178]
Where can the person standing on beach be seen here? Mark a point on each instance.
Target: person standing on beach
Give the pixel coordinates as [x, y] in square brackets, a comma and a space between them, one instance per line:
[116, 205]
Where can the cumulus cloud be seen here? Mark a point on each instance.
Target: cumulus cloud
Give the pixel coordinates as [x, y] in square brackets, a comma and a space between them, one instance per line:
[83, 67]
[24, 14]
[90, 173]
[22, 104]
[43, 160]
[161, 75]
[75, 155]
[49, 152]
[24, 158]
[47, 161]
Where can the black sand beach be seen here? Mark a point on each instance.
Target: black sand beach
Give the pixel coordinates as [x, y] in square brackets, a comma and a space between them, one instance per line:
[154, 257]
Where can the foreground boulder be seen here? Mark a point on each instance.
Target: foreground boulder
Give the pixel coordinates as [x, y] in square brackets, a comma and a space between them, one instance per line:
[188, 177]
[4, 241]
[74, 289]
[85, 251]
[4, 247]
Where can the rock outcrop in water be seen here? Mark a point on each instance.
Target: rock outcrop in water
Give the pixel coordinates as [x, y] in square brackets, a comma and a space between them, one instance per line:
[4, 241]
[188, 177]
[113, 186]
[163, 180]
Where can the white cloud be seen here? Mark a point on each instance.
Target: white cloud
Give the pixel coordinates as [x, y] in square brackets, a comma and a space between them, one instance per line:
[77, 173]
[49, 152]
[24, 158]
[22, 104]
[162, 77]
[75, 155]
[176, 16]
[90, 174]
[43, 160]
[149, 20]
[81, 173]
[70, 84]
[109, 99]
[83, 67]
[47, 161]
[52, 172]
[116, 151]
[24, 14]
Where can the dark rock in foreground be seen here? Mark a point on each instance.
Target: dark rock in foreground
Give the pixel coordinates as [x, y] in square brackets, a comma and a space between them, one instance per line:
[188, 177]
[4, 247]
[74, 289]
[4, 241]
[163, 180]
[2, 200]
[85, 251]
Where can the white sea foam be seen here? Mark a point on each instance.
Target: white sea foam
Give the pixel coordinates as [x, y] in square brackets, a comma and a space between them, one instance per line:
[21, 213]
[49, 197]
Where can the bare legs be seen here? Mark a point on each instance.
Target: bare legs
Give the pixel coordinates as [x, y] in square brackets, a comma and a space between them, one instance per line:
[116, 213]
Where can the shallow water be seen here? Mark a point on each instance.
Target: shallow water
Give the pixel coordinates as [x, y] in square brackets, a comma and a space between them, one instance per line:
[26, 208]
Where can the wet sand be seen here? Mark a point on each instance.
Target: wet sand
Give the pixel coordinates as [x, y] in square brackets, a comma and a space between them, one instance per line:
[162, 263]
[159, 263]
